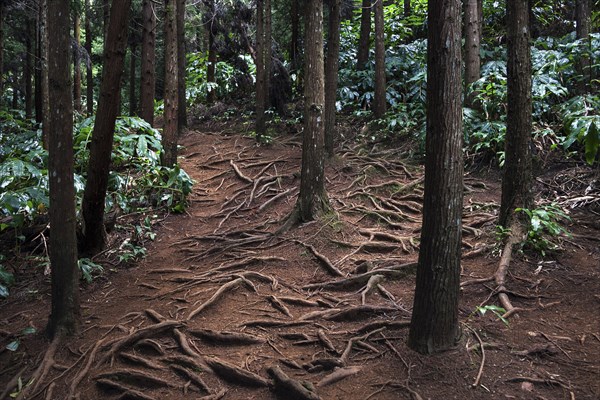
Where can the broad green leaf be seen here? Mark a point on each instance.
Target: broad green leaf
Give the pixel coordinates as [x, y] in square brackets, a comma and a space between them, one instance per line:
[13, 346]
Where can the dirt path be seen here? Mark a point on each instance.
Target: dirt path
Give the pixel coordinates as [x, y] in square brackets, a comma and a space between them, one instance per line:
[219, 301]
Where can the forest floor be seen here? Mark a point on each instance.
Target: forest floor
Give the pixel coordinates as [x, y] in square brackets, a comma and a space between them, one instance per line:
[219, 302]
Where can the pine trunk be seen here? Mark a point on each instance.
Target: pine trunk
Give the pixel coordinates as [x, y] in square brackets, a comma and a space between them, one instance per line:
[295, 17]
[132, 78]
[109, 101]
[44, 85]
[261, 98]
[331, 74]
[365, 35]
[39, 114]
[312, 195]
[268, 53]
[583, 24]
[64, 317]
[89, 82]
[2, 13]
[211, 96]
[148, 56]
[517, 178]
[76, 64]
[379, 106]
[171, 127]
[472, 27]
[434, 325]
[27, 71]
[181, 52]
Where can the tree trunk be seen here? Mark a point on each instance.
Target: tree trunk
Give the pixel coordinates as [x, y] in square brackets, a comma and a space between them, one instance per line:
[211, 96]
[89, 83]
[106, 16]
[148, 74]
[312, 195]
[171, 128]
[181, 52]
[38, 65]
[517, 178]
[132, 78]
[76, 64]
[472, 27]
[379, 100]
[44, 86]
[2, 13]
[109, 101]
[434, 325]
[406, 8]
[261, 93]
[268, 53]
[583, 24]
[64, 317]
[295, 17]
[331, 73]
[28, 69]
[365, 33]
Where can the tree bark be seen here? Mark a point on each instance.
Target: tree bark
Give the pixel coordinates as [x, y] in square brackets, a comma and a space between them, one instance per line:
[268, 53]
[312, 197]
[2, 13]
[379, 100]
[434, 325]
[181, 52]
[261, 93]
[94, 196]
[89, 89]
[28, 69]
[171, 128]
[76, 63]
[106, 16]
[365, 33]
[295, 17]
[583, 25]
[132, 77]
[148, 74]
[472, 28]
[211, 96]
[517, 178]
[44, 86]
[331, 73]
[38, 65]
[64, 317]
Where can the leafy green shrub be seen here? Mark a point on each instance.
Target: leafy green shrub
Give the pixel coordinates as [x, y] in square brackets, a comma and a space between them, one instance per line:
[581, 116]
[543, 227]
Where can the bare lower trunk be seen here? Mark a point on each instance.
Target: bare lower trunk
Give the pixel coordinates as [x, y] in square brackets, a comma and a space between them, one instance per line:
[261, 93]
[331, 74]
[147, 67]
[379, 100]
[181, 51]
[365, 33]
[472, 28]
[132, 78]
[89, 77]
[171, 128]
[76, 65]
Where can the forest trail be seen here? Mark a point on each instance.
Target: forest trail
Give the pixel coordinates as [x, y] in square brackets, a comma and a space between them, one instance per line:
[219, 301]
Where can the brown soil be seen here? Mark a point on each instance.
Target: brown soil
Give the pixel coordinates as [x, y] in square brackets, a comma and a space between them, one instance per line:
[549, 350]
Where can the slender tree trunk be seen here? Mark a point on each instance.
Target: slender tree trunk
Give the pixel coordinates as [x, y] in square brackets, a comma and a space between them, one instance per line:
[583, 25]
[181, 52]
[38, 65]
[211, 96]
[517, 179]
[89, 89]
[407, 10]
[64, 317]
[109, 101]
[434, 325]
[77, 64]
[1, 50]
[171, 128]
[295, 17]
[365, 35]
[268, 53]
[132, 78]
[44, 85]
[148, 74]
[261, 98]
[106, 16]
[379, 100]
[472, 28]
[27, 71]
[312, 197]
[331, 73]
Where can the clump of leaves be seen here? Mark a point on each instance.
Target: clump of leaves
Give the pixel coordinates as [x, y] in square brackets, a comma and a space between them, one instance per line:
[544, 227]
[581, 118]
[89, 269]
[496, 310]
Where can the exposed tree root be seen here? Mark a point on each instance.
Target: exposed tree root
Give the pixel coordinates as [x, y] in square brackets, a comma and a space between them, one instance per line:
[84, 371]
[290, 388]
[227, 338]
[338, 375]
[142, 361]
[126, 392]
[333, 270]
[38, 376]
[234, 374]
[239, 173]
[346, 354]
[279, 306]
[358, 281]
[226, 287]
[357, 313]
[377, 325]
[192, 376]
[135, 377]
[266, 323]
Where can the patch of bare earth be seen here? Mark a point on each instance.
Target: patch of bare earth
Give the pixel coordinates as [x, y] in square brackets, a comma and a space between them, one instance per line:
[222, 308]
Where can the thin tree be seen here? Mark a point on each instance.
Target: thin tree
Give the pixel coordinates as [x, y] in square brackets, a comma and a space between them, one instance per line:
[517, 178]
[365, 35]
[181, 52]
[132, 74]
[76, 62]
[89, 77]
[28, 69]
[148, 56]
[331, 73]
[434, 324]
[171, 128]
[379, 99]
[210, 16]
[261, 76]
[312, 198]
[2, 14]
[94, 196]
[583, 24]
[44, 101]
[295, 19]
[472, 28]
[64, 317]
